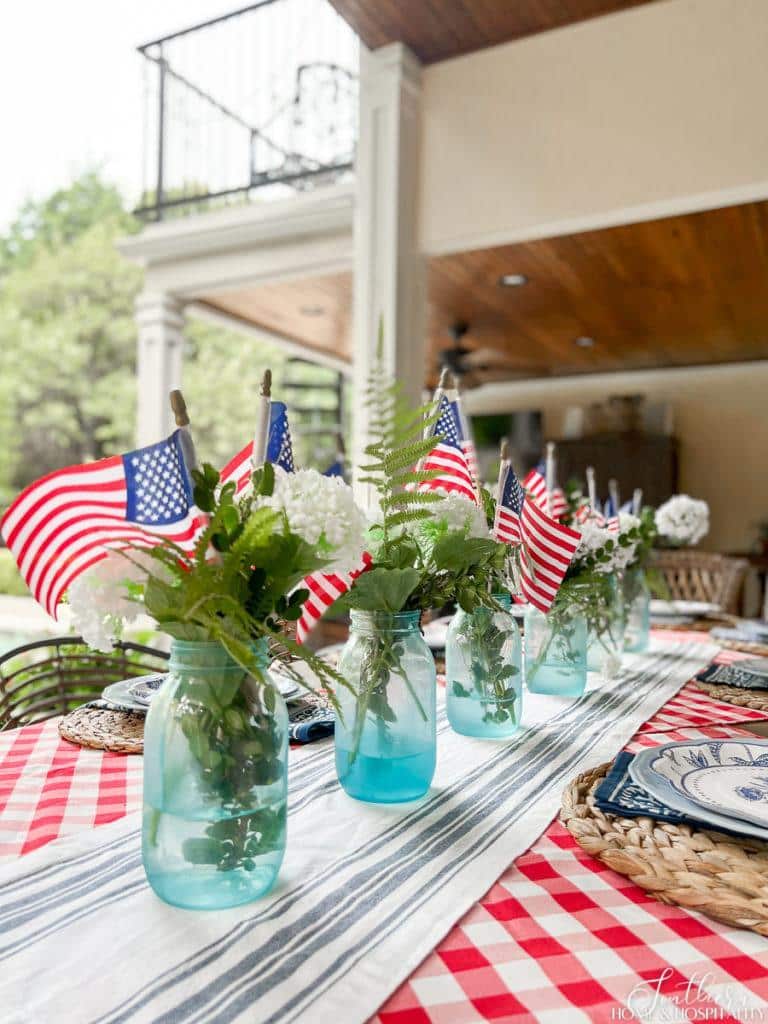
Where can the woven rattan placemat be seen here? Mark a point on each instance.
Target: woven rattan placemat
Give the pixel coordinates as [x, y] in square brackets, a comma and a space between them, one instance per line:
[742, 645]
[101, 729]
[757, 700]
[725, 877]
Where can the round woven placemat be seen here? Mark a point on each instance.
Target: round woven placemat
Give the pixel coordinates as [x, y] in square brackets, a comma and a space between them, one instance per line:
[743, 645]
[757, 700]
[119, 731]
[722, 876]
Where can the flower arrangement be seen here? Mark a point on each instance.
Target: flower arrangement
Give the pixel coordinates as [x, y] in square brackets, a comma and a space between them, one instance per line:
[682, 521]
[428, 549]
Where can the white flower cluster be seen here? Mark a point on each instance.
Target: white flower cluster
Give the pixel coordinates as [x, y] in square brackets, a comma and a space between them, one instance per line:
[321, 510]
[595, 536]
[99, 601]
[459, 513]
[683, 520]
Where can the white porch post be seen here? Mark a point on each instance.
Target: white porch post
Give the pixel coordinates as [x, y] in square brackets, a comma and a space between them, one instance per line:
[389, 279]
[159, 357]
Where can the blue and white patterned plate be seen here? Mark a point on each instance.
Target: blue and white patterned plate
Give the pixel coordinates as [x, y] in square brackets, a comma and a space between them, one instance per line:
[144, 688]
[117, 695]
[718, 782]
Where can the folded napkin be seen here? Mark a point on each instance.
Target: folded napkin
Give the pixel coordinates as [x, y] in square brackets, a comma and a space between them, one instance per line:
[732, 675]
[311, 719]
[618, 794]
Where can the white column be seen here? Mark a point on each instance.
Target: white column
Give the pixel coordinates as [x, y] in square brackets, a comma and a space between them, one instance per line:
[389, 277]
[159, 357]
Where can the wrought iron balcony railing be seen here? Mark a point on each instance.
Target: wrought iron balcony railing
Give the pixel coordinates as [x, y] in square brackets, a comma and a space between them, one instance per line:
[262, 98]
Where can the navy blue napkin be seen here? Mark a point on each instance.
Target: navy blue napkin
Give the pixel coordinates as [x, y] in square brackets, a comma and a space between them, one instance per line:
[310, 721]
[618, 794]
[732, 675]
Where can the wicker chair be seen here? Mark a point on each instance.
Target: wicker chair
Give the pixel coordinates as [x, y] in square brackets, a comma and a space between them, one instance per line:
[700, 576]
[51, 677]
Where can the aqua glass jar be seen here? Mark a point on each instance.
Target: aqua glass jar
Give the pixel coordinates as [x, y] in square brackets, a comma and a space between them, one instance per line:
[483, 668]
[637, 611]
[215, 781]
[386, 735]
[605, 624]
[556, 651]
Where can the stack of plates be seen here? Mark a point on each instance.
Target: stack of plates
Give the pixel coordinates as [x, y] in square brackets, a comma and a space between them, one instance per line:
[720, 783]
[681, 613]
[136, 694]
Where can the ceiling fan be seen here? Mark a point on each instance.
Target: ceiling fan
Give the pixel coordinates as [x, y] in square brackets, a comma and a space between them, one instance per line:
[475, 366]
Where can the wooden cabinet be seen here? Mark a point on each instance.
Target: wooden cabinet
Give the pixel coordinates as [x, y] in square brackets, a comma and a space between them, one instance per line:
[635, 460]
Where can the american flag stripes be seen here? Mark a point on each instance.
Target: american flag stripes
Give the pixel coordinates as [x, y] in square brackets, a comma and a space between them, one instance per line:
[324, 588]
[448, 458]
[536, 486]
[546, 546]
[586, 513]
[72, 518]
[279, 450]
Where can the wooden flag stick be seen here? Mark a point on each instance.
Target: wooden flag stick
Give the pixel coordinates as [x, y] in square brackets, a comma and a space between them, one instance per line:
[261, 433]
[637, 501]
[550, 474]
[592, 488]
[180, 414]
[503, 466]
[613, 490]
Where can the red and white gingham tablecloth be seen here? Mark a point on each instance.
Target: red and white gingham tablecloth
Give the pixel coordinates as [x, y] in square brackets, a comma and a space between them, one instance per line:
[558, 939]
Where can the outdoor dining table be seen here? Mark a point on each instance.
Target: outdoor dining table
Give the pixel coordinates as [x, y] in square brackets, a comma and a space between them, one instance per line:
[556, 937]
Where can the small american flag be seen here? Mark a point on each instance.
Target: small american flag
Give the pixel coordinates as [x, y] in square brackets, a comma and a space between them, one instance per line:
[279, 450]
[547, 547]
[324, 588]
[586, 513]
[466, 441]
[536, 485]
[448, 457]
[67, 521]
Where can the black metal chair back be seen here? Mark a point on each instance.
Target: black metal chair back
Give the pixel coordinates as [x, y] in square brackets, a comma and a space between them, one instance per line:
[51, 677]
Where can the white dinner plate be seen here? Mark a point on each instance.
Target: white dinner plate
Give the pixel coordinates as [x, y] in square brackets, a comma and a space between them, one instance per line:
[723, 783]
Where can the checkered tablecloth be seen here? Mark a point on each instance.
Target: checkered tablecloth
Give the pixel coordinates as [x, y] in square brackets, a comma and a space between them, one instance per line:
[558, 938]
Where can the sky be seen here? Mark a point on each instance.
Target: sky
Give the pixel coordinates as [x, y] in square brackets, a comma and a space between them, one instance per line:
[71, 90]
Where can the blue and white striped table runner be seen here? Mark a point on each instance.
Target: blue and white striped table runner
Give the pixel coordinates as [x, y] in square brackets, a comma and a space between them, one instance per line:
[365, 893]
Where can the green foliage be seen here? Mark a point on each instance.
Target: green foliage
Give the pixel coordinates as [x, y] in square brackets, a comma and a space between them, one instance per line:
[248, 590]
[10, 577]
[418, 563]
[491, 674]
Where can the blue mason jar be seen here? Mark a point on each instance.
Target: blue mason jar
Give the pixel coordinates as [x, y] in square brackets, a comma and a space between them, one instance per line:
[215, 781]
[605, 623]
[386, 739]
[637, 611]
[556, 651]
[483, 669]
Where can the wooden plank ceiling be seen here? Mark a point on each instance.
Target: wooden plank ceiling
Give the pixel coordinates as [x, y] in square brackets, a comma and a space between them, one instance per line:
[681, 291]
[438, 29]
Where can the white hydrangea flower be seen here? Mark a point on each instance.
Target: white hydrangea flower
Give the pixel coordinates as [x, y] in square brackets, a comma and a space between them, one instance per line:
[460, 513]
[322, 511]
[683, 520]
[593, 537]
[625, 556]
[99, 601]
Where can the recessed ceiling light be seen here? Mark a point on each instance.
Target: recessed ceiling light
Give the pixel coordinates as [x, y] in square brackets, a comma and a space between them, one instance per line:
[584, 341]
[512, 280]
[311, 310]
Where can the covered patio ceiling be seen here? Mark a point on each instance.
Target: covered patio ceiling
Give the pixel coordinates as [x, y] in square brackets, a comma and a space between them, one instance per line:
[680, 291]
[437, 31]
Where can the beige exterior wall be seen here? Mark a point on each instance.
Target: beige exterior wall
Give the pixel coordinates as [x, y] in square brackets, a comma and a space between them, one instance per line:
[721, 421]
[636, 115]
